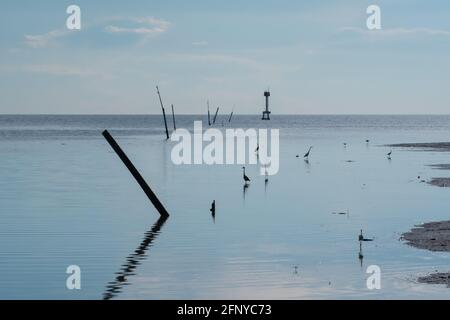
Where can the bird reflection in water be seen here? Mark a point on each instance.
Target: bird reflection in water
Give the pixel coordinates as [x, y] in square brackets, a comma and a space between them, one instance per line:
[360, 255]
[244, 190]
[133, 260]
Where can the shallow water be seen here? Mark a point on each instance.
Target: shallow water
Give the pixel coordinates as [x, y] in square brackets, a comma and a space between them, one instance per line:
[66, 199]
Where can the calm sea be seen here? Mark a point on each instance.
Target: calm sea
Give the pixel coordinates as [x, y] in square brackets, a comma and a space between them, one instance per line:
[66, 199]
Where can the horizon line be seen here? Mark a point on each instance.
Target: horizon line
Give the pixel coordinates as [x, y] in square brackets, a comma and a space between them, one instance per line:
[225, 114]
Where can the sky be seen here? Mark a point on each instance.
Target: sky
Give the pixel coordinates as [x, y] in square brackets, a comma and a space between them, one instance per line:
[316, 57]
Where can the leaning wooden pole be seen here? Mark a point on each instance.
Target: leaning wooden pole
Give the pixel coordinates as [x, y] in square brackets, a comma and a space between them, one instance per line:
[164, 112]
[215, 115]
[231, 115]
[209, 114]
[140, 180]
[173, 118]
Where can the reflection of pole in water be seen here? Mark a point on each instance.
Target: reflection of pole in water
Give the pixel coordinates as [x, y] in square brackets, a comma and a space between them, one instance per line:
[133, 260]
[266, 180]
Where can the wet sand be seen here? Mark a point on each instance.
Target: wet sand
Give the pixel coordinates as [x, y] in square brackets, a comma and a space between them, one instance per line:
[425, 146]
[440, 166]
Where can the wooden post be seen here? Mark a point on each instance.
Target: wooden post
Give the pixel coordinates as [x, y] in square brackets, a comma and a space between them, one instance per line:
[145, 187]
[173, 118]
[164, 112]
[231, 115]
[215, 116]
[209, 115]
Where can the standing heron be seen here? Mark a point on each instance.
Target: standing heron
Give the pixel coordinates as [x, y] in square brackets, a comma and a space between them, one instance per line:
[246, 179]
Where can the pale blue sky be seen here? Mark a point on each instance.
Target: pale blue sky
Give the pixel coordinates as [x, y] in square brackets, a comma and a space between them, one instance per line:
[316, 56]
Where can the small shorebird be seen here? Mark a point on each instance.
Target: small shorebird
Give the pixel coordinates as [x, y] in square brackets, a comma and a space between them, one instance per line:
[246, 179]
[342, 212]
[389, 154]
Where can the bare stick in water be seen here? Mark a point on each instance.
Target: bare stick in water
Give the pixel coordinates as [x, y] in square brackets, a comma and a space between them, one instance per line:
[173, 118]
[164, 112]
[209, 114]
[215, 116]
[231, 115]
[150, 194]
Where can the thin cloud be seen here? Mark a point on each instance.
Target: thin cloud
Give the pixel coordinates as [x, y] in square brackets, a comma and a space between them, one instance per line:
[398, 31]
[60, 70]
[44, 40]
[148, 26]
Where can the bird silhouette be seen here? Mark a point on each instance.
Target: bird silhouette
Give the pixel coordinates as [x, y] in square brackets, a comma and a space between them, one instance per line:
[246, 179]
[389, 154]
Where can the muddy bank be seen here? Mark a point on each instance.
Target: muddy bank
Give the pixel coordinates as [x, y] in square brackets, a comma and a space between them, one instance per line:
[443, 182]
[440, 182]
[440, 166]
[434, 236]
[436, 278]
[425, 146]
